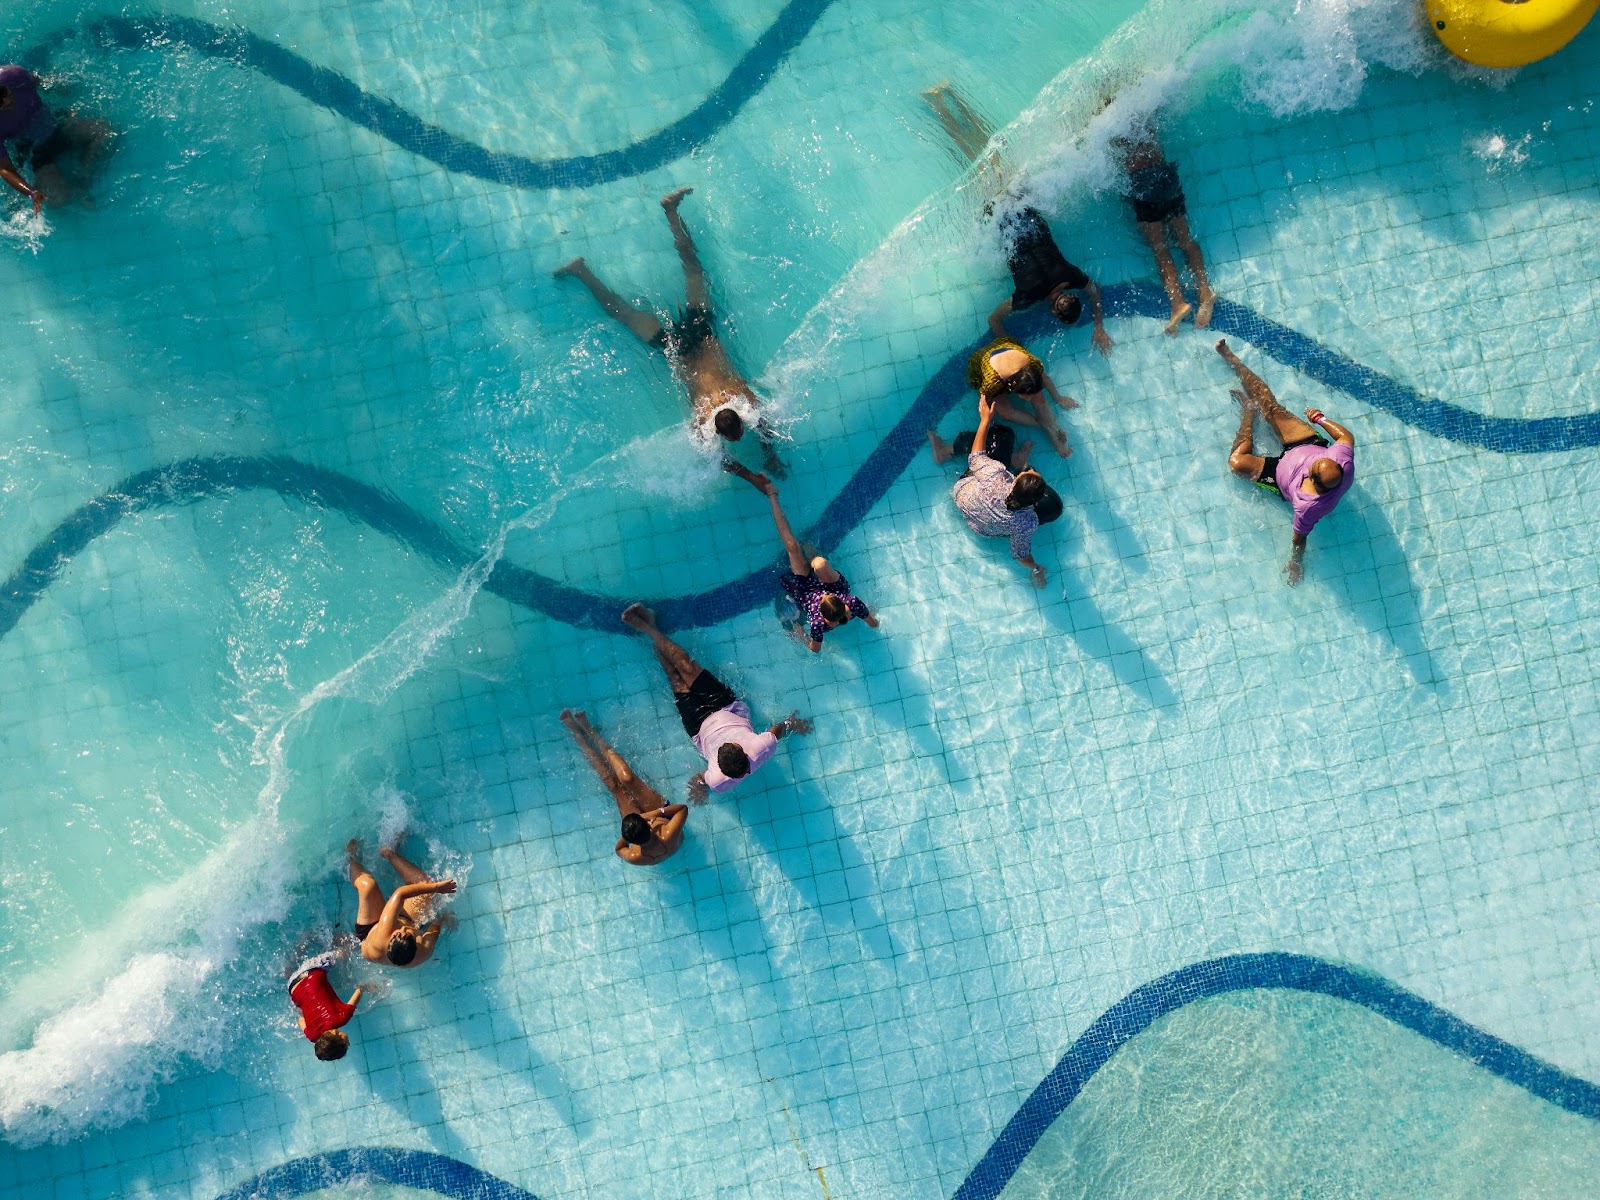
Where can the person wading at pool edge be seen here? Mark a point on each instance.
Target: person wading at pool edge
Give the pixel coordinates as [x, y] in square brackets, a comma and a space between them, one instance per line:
[322, 1013]
[822, 595]
[724, 401]
[393, 930]
[652, 829]
[44, 142]
[716, 720]
[1312, 482]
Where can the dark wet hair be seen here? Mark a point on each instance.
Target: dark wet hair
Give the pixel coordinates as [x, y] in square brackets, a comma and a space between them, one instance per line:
[834, 609]
[1316, 475]
[728, 424]
[1027, 381]
[1027, 491]
[732, 760]
[1067, 308]
[402, 948]
[331, 1046]
[635, 830]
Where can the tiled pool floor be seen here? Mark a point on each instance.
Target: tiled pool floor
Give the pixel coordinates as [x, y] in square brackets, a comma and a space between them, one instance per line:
[1017, 806]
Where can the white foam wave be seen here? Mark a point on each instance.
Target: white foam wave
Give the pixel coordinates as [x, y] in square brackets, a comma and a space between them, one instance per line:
[154, 991]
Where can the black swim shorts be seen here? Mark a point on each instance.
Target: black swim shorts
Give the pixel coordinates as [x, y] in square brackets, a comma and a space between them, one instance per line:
[1268, 478]
[1155, 193]
[47, 151]
[706, 695]
[683, 337]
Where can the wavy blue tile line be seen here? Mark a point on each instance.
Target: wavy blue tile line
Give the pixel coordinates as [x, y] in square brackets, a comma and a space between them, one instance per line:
[388, 120]
[1120, 1024]
[198, 478]
[377, 1164]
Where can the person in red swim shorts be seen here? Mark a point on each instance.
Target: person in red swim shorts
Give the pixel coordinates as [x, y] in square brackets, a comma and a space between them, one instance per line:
[321, 1011]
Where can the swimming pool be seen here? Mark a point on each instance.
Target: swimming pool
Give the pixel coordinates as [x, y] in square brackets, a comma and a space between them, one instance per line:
[334, 385]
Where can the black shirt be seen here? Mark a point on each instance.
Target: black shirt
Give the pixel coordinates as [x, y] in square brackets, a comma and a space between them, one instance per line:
[1037, 264]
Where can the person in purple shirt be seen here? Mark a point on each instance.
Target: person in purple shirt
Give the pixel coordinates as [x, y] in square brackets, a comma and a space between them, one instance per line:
[717, 721]
[1312, 474]
[30, 134]
[822, 595]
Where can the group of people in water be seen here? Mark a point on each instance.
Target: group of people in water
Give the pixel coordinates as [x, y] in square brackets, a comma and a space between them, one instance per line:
[999, 494]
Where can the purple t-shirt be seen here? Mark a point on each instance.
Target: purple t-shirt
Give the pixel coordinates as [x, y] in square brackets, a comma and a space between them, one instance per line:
[807, 592]
[1293, 468]
[27, 120]
[732, 724]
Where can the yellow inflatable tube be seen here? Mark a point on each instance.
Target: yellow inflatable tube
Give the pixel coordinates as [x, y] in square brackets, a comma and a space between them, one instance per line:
[1507, 33]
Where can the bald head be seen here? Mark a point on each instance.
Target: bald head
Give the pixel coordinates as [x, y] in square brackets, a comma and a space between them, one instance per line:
[1326, 475]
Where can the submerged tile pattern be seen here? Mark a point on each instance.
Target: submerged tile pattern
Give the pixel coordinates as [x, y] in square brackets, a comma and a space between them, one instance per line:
[1016, 808]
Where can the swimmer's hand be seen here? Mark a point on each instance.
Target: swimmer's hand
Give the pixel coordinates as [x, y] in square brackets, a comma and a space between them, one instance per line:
[38, 199]
[1315, 416]
[698, 789]
[986, 405]
[793, 723]
[1102, 342]
[443, 887]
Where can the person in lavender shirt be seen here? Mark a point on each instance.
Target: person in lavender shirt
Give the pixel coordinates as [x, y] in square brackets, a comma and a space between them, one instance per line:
[1313, 482]
[994, 501]
[30, 134]
[822, 595]
[716, 720]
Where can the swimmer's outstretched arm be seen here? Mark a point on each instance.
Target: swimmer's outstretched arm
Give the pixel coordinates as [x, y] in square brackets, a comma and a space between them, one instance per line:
[1101, 339]
[9, 172]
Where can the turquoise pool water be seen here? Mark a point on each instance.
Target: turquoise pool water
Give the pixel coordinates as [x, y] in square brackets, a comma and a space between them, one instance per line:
[1017, 806]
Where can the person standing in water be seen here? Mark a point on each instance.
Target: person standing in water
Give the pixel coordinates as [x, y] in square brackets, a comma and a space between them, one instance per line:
[31, 135]
[821, 594]
[1159, 210]
[717, 721]
[322, 1013]
[396, 930]
[652, 829]
[724, 401]
[1313, 482]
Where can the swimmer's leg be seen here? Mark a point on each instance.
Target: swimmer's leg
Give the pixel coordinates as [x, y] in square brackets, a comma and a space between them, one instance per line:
[578, 725]
[1242, 457]
[696, 293]
[1197, 263]
[1288, 427]
[680, 668]
[369, 906]
[1155, 233]
[646, 326]
[969, 131]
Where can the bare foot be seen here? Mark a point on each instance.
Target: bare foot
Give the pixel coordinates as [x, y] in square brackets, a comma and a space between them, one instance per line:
[1019, 459]
[353, 848]
[1244, 400]
[575, 267]
[942, 453]
[1178, 314]
[1066, 402]
[1224, 350]
[1203, 317]
[671, 200]
[637, 616]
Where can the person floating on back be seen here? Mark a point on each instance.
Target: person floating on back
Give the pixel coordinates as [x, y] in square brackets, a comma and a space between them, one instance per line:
[1313, 482]
[1003, 368]
[716, 720]
[1159, 208]
[995, 501]
[62, 152]
[822, 595]
[397, 930]
[652, 829]
[322, 1013]
[724, 402]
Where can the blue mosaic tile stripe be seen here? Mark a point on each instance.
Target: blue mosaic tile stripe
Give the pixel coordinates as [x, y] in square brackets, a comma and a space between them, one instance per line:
[1135, 1013]
[1117, 1026]
[388, 120]
[198, 478]
[380, 1164]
